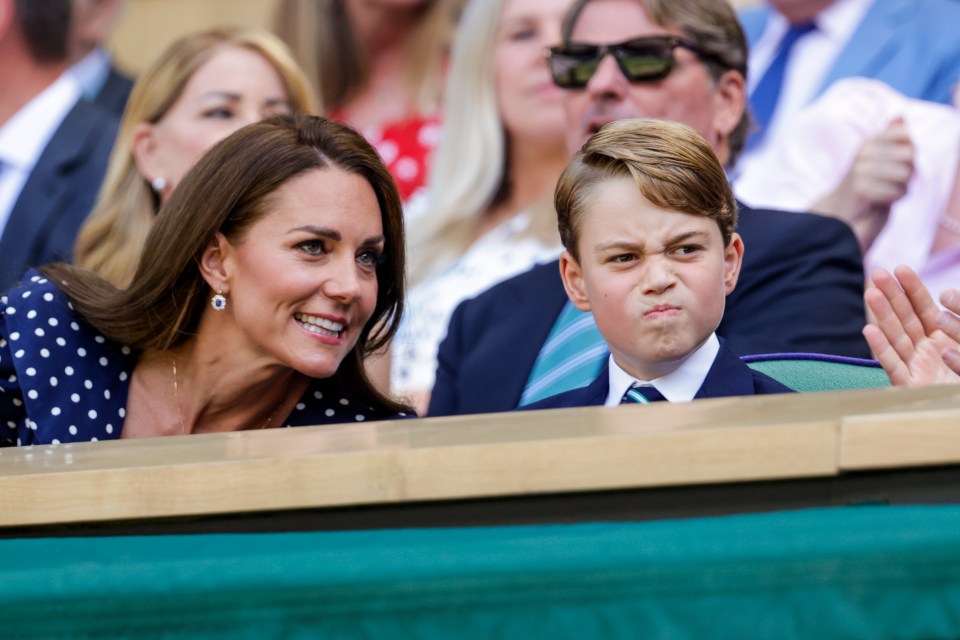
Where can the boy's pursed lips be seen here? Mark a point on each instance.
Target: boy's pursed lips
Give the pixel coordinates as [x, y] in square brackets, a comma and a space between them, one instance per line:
[662, 311]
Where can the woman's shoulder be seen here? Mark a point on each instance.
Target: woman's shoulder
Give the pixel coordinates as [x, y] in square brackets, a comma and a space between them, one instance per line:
[39, 316]
[35, 302]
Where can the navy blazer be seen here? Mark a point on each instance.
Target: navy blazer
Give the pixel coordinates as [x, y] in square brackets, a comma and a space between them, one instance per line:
[113, 95]
[58, 194]
[728, 376]
[800, 290]
[911, 45]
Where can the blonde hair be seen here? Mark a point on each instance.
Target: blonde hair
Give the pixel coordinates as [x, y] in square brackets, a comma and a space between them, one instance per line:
[672, 165]
[469, 168]
[112, 238]
[321, 38]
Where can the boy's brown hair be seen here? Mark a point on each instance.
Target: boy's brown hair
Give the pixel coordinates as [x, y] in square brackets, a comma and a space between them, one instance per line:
[671, 164]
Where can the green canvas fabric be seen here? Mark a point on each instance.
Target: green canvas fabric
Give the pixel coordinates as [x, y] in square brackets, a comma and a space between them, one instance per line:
[815, 375]
[854, 572]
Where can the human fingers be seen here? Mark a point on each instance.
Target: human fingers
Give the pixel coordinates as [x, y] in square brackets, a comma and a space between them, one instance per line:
[949, 323]
[951, 299]
[894, 312]
[886, 355]
[921, 301]
[881, 299]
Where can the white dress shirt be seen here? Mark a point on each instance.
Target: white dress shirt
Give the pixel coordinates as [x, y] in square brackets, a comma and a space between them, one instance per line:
[24, 137]
[681, 385]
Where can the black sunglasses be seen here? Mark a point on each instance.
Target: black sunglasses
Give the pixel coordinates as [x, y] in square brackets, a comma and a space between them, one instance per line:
[642, 59]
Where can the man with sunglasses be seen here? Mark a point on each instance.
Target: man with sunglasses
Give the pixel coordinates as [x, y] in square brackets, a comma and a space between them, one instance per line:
[801, 285]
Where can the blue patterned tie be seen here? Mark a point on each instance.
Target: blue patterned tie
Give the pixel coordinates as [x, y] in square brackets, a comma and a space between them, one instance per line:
[572, 356]
[763, 100]
[642, 394]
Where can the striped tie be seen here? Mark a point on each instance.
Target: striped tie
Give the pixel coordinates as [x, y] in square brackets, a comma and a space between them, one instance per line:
[572, 356]
[643, 394]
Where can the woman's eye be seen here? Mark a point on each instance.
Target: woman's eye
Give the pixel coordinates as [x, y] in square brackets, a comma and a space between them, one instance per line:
[521, 34]
[312, 247]
[220, 113]
[370, 258]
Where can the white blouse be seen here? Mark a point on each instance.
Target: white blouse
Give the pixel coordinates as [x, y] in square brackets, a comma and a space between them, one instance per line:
[499, 254]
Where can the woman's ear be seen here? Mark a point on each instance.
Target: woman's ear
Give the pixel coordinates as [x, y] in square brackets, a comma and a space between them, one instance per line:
[215, 263]
[572, 276]
[146, 156]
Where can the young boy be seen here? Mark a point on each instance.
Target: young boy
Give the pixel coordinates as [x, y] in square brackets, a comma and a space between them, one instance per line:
[647, 218]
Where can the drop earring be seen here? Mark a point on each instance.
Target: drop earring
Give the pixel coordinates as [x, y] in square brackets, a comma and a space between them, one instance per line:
[218, 301]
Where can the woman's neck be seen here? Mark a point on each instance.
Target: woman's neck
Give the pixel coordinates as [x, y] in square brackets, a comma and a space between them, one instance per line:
[384, 35]
[533, 168]
[216, 389]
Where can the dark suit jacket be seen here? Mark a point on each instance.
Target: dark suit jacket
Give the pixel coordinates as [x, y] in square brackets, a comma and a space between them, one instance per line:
[911, 45]
[800, 289]
[59, 193]
[114, 93]
[728, 376]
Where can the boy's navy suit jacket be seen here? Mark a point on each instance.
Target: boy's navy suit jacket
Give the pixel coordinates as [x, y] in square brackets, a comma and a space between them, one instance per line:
[800, 290]
[728, 376]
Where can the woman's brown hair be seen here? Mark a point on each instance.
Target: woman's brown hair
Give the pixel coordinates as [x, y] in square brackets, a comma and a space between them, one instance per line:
[226, 192]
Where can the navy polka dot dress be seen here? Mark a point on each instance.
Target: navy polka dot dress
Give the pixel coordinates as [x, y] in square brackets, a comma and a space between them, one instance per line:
[61, 381]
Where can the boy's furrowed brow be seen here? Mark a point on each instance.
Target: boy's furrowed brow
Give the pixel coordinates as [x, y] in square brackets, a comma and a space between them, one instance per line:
[688, 235]
[618, 245]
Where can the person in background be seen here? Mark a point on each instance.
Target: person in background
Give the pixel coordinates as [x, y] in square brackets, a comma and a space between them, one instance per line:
[380, 67]
[648, 222]
[202, 88]
[270, 274]
[801, 286]
[887, 165]
[916, 342]
[487, 214]
[101, 82]
[800, 48]
[53, 145]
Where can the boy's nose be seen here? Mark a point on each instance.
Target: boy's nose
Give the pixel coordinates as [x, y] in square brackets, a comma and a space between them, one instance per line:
[658, 276]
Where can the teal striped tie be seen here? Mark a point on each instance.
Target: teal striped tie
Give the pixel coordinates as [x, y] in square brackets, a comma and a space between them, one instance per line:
[642, 395]
[572, 356]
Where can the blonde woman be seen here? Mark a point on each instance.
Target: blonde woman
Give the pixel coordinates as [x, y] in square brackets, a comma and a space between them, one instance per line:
[488, 213]
[204, 87]
[378, 66]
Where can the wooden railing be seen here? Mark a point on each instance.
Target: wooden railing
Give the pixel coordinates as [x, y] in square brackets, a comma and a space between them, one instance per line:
[728, 441]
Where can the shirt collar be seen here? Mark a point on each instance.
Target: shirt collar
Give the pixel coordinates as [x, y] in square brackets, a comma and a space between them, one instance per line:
[838, 21]
[681, 385]
[91, 72]
[24, 136]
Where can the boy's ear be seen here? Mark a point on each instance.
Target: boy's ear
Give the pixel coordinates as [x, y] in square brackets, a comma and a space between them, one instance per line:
[732, 259]
[572, 276]
[215, 263]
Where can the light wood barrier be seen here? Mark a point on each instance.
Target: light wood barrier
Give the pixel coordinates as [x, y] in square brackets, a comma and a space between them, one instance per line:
[506, 459]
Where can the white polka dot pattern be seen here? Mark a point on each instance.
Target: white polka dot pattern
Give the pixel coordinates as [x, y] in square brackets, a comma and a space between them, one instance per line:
[62, 381]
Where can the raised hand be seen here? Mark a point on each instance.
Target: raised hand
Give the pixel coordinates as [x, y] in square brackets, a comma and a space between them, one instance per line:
[905, 334]
[878, 177]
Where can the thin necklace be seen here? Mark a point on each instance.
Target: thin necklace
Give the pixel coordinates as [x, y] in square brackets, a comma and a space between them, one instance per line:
[176, 397]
